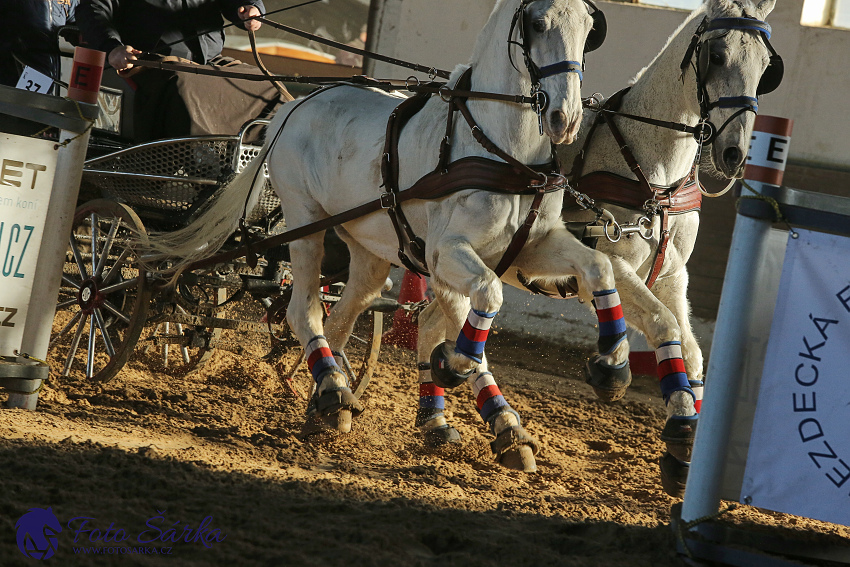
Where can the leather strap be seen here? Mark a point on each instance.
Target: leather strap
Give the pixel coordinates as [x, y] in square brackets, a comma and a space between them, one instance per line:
[661, 249]
[521, 235]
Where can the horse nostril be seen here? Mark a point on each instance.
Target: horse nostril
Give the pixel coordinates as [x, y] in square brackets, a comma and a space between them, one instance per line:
[732, 157]
[558, 118]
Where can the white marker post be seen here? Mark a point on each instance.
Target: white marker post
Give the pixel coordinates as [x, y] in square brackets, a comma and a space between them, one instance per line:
[765, 165]
[39, 185]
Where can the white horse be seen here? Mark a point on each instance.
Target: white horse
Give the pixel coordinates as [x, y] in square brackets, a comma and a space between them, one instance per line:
[324, 155]
[711, 69]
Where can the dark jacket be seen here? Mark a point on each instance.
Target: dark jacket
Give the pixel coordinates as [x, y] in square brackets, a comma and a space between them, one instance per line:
[28, 34]
[148, 25]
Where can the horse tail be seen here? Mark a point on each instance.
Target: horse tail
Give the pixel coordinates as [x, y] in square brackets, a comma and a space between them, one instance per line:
[216, 220]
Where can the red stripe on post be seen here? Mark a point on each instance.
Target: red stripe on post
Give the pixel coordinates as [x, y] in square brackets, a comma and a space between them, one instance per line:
[773, 125]
[764, 174]
[86, 74]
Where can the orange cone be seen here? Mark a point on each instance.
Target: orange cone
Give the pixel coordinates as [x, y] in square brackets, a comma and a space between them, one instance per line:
[404, 332]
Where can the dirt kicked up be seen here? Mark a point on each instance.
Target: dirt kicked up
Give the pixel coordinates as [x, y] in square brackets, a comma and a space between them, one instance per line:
[209, 469]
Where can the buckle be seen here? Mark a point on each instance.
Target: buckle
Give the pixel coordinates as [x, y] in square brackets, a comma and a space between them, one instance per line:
[388, 200]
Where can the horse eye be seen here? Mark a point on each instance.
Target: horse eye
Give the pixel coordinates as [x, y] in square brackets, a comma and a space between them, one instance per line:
[716, 58]
[539, 26]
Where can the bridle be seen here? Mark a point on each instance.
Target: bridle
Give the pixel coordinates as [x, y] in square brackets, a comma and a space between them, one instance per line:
[593, 41]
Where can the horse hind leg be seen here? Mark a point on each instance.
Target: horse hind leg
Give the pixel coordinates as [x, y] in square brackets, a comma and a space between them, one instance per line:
[332, 404]
[430, 416]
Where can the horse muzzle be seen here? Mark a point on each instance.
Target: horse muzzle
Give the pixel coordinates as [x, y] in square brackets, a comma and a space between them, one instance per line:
[561, 129]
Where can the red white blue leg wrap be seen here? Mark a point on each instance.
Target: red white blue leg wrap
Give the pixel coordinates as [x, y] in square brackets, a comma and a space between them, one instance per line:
[320, 359]
[671, 370]
[612, 324]
[473, 335]
[489, 399]
[432, 399]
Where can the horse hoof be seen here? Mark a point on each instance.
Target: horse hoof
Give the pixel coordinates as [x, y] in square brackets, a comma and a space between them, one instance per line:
[339, 421]
[519, 459]
[441, 373]
[674, 475]
[609, 382]
[441, 436]
[678, 434]
[515, 449]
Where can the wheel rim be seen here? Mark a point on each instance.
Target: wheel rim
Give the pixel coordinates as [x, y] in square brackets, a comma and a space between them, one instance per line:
[103, 299]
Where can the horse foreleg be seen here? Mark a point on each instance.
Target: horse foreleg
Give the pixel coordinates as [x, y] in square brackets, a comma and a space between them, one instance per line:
[458, 272]
[560, 254]
[332, 400]
[658, 323]
[430, 417]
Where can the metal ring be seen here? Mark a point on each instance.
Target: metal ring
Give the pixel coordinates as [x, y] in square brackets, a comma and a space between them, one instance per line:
[544, 184]
[537, 105]
[410, 80]
[617, 231]
[432, 73]
[646, 224]
[444, 89]
[706, 133]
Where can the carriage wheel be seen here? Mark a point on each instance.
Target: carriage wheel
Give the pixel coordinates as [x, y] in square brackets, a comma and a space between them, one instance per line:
[360, 356]
[177, 349]
[103, 299]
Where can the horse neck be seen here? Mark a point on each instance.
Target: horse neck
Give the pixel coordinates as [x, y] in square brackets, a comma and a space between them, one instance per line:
[512, 127]
[665, 155]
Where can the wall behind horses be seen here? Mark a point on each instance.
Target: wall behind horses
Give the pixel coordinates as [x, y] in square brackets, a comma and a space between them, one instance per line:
[442, 33]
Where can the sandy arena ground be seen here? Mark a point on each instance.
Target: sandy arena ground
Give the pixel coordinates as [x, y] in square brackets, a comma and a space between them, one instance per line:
[222, 441]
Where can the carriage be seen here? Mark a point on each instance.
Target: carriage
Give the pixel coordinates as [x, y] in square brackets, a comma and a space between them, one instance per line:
[109, 311]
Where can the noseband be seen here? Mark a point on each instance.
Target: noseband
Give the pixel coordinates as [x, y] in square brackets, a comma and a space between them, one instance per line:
[697, 57]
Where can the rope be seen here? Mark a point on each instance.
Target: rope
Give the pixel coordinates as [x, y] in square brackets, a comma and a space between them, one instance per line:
[83, 133]
[686, 527]
[778, 216]
[28, 357]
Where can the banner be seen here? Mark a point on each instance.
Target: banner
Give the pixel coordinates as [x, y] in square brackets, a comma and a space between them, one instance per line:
[27, 168]
[799, 454]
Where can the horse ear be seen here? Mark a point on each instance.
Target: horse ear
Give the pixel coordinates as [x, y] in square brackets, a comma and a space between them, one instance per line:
[765, 7]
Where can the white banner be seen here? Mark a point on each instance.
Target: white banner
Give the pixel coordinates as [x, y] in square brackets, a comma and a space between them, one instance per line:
[799, 454]
[27, 168]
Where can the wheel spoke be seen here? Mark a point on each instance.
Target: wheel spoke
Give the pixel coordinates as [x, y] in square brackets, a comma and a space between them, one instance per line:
[107, 246]
[98, 317]
[78, 257]
[114, 310]
[126, 284]
[165, 347]
[116, 267]
[184, 350]
[94, 238]
[66, 304]
[75, 344]
[65, 329]
[90, 349]
[70, 282]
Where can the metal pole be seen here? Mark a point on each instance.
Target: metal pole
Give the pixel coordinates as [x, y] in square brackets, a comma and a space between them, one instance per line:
[84, 85]
[766, 163]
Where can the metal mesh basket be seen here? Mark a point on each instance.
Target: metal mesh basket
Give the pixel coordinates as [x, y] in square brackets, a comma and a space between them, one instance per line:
[169, 179]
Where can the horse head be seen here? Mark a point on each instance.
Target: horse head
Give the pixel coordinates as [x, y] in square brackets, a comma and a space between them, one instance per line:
[551, 37]
[734, 62]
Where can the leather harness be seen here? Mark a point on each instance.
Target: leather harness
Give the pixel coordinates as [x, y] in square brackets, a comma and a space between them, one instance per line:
[637, 194]
[509, 177]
